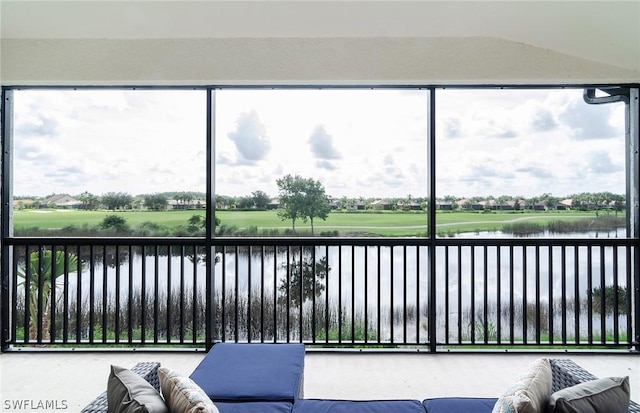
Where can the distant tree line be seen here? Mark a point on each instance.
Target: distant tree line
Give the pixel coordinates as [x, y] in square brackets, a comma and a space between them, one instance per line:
[260, 200]
[584, 201]
[114, 201]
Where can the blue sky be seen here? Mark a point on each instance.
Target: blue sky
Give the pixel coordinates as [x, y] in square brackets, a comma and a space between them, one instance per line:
[370, 143]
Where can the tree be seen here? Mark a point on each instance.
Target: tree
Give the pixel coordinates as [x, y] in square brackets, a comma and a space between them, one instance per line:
[114, 222]
[260, 199]
[184, 197]
[618, 203]
[117, 200]
[316, 202]
[156, 202]
[224, 201]
[291, 198]
[196, 222]
[516, 204]
[137, 203]
[305, 280]
[199, 223]
[89, 200]
[502, 200]
[551, 202]
[245, 202]
[39, 275]
[302, 198]
[612, 295]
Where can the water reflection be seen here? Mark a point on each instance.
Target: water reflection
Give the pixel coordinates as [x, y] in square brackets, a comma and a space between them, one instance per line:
[482, 293]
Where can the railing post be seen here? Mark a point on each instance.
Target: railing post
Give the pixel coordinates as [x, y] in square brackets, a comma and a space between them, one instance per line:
[432, 222]
[210, 225]
[636, 299]
[4, 299]
[633, 204]
[632, 163]
[5, 207]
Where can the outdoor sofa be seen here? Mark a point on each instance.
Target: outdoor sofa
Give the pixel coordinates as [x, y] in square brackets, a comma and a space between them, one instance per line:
[268, 378]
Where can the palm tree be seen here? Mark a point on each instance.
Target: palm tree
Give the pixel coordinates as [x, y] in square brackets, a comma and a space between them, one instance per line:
[40, 277]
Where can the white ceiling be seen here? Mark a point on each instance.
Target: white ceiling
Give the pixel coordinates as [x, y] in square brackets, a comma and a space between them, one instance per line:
[589, 39]
[601, 31]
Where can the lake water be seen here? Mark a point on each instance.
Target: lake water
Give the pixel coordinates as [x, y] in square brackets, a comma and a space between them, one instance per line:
[392, 284]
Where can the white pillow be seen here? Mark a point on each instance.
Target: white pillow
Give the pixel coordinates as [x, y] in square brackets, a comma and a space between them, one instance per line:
[530, 393]
[182, 395]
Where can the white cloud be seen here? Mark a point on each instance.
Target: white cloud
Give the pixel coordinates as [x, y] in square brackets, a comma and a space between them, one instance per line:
[585, 122]
[321, 144]
[250, 138]
[599, 162]
[358, 128]
[109, 140]
[370, 143]
[324, 164]
[543, 153]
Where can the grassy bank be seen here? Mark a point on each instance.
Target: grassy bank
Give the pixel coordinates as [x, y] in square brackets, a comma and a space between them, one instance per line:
[261, 223]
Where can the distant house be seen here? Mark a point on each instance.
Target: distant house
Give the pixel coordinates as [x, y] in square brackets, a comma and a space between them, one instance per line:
[180, 205]
[539, 206]
[445, 205]
[357, 206]
[414, 206]
[476, 206]
[22, 203]
[617, 205]
[409, 206]
[564, 205]
[61, 201]
[506, 206]
[380, 204]
[489, 204]
[273, 204]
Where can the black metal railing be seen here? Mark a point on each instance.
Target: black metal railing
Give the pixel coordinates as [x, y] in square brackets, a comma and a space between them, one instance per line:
[96, 292]
[539, 293]
[443, 294]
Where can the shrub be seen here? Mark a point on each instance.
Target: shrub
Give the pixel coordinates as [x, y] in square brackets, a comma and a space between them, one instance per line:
[114, 222]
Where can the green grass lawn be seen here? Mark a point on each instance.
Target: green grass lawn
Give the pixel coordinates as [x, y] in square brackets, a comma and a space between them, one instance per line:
[58, 218]
[382, 223]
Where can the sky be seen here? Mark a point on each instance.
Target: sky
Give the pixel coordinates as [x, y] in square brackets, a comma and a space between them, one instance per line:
[514, 142]
[370, 143]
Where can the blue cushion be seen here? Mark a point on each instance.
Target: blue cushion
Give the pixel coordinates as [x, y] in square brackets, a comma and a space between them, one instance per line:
[354, 406]
[254, 407]
[247, 371]
[459, 405]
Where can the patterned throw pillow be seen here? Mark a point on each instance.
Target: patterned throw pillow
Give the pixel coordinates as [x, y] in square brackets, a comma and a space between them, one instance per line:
[128, 392]
[182, 395]
[530, 393]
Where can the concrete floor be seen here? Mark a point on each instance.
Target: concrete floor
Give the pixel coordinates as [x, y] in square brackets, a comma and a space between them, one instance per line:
[70, 380]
